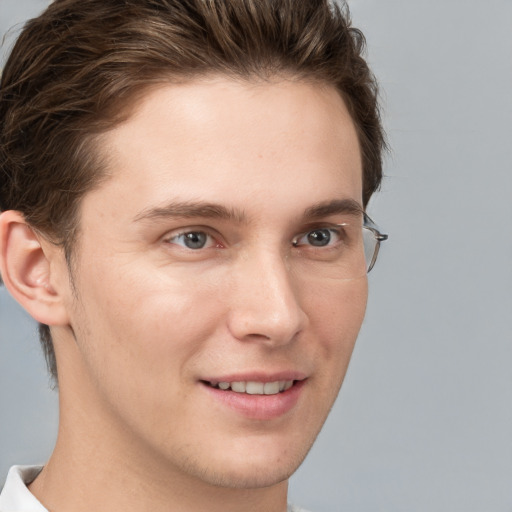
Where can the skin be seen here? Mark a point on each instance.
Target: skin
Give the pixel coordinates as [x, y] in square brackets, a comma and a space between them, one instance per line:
[144, 320]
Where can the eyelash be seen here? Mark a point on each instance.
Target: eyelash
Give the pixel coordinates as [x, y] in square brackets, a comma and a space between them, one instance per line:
[330, 230]
[337, 231]
[183, 233]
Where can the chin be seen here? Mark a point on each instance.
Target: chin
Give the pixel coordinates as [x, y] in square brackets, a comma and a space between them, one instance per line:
[250, 469]
[249, 477]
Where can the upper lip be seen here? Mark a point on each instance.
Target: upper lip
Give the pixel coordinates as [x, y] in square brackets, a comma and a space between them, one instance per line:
[257, 376]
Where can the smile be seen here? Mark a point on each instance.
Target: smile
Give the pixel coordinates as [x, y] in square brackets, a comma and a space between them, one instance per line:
[260, 400]
[253, 387]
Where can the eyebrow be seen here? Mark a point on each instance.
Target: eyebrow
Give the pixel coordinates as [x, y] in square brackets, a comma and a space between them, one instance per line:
[334, 207]
[200, 209]
[192, 209]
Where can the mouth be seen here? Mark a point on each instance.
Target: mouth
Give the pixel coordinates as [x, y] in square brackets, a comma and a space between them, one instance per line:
[261, 399]
[253, 387]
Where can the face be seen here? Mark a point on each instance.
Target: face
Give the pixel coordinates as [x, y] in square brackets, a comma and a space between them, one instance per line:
[206, 337]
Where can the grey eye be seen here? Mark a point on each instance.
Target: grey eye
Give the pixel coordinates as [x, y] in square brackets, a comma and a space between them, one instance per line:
[319, 237]
[191, 239]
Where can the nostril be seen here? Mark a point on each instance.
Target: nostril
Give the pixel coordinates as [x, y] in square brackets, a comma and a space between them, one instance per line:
[258, 336]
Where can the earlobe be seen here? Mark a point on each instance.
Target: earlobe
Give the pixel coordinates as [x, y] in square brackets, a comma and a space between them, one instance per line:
[25, 266]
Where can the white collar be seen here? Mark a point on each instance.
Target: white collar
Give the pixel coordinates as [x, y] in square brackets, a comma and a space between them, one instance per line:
[15, 496]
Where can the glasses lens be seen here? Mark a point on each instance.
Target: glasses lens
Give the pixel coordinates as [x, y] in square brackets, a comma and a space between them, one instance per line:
[344, 251]
[370, 247]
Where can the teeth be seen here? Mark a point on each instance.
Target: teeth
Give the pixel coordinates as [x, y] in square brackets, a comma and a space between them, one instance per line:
[271, 388]
[255, 388]
[238, 387]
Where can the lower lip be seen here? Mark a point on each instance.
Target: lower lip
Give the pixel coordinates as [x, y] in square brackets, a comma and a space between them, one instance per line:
[259, 407]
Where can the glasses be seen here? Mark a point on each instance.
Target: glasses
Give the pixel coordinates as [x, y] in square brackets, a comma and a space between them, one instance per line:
[372, 238]
[341, 251]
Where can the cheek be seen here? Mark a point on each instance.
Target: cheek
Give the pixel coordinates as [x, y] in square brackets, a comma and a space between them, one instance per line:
[139, 339]
[142, 325]
[336, 314]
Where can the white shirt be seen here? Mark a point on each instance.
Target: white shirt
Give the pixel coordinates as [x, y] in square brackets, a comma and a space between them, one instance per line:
[15, 496]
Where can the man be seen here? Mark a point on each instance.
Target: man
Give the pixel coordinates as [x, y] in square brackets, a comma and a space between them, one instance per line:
[183, 185]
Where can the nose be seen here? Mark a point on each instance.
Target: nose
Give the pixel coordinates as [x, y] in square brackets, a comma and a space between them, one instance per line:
[265, 301]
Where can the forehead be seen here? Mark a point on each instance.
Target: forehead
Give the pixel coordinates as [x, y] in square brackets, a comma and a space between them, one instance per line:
[229, 141]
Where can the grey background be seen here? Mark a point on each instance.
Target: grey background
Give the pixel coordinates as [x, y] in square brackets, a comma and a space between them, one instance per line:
[424, 420]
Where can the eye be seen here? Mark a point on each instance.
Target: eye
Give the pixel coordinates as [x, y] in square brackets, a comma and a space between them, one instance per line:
[192, 240]
[319, 237]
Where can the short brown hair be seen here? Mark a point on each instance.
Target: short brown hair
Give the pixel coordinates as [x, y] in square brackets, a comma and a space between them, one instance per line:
[75, 70]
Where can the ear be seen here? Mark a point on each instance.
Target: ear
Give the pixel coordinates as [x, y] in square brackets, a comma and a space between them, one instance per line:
[26, 268]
